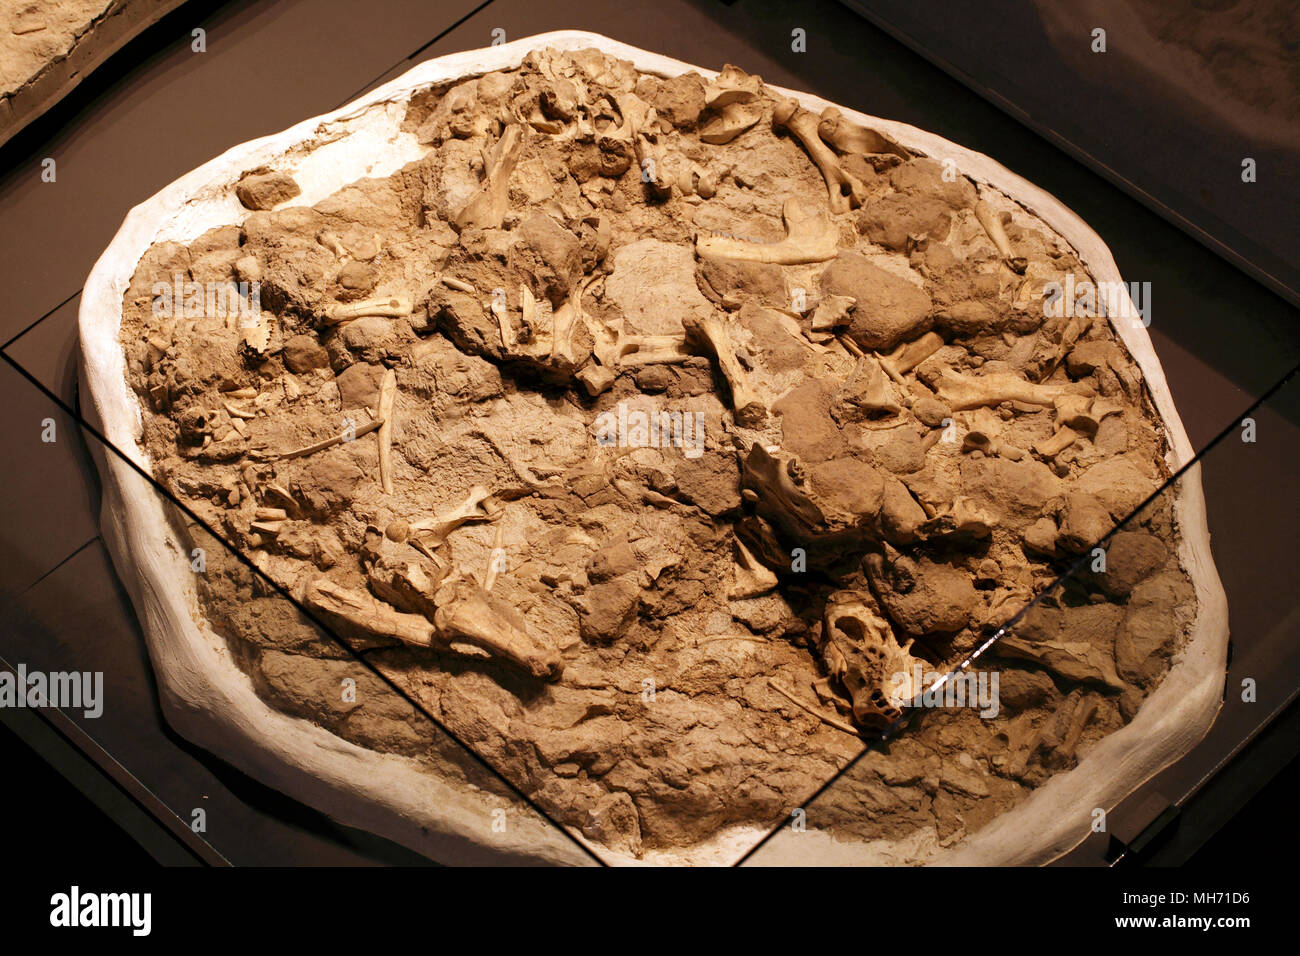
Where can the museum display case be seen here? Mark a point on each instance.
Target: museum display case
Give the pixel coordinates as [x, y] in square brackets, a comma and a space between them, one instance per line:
[408, 650]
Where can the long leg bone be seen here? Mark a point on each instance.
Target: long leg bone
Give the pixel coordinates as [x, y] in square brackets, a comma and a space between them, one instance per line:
[846, 191]
[963, 391]
[810, 236]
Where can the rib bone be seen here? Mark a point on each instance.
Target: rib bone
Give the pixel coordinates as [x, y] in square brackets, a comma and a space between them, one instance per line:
[387, 399]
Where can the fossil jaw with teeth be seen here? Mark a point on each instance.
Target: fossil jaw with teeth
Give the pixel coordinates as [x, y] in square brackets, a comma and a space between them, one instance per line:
[810, 236]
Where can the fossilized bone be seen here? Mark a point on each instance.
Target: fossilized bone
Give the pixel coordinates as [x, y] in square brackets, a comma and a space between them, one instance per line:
[401, 577]
[977, 440]
[766, 481]
[732, 99]
[387, 306]
[368, 613]
[963, 518]
[502, 315]
[470, 615]
[845, 190]
[1060, 440]
[635, 350]
[861, 652]
[825, 718]
[430, 533]
[998, 235]
[564, 322]
[851, 138]
[909, 355]
[962, 391]
[387, 400]
[487, 208]
[746, 403]
[458, 284]
[810, 236]
[832, 313]
[867, 392]
[1084, 413]
[357, 432]
[750, 576]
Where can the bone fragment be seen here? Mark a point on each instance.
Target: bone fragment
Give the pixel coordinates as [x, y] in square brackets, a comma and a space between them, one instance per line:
[851, 138]
[732, 100]
[748, 406]
[992, 224]
[1062, 439]
[369, 614]
[468, 614]
[458, 284]
[911, 354]
[479, 505]
[1083, 712]
[751, 577]
[487, 208]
